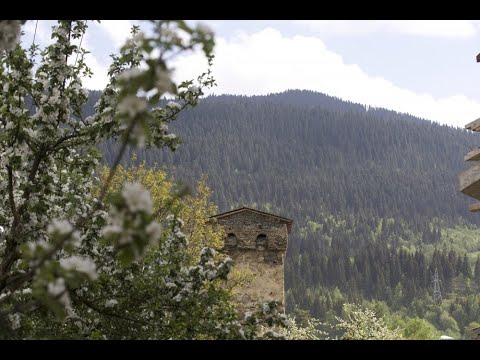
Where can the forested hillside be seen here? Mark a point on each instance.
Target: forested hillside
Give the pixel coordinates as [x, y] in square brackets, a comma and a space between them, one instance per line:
[373, 195]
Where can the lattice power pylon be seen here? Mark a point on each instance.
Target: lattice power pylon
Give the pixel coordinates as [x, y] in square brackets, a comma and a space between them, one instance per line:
[437, 293]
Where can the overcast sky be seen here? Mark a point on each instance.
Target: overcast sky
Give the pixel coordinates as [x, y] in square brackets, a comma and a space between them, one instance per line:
[425, 68]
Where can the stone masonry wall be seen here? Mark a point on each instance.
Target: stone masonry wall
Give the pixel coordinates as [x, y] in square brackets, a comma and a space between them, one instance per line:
[258, 243]
[475, 334]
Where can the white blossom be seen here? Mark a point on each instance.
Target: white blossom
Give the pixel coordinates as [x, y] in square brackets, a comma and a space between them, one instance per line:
[132, 105]
[138, 36]
[163, 82]
[110, 230]
[136, 198]
[14, 320]
[154, 231]
[61, 227]
[9, 34]
[80, 264]
[174, 105]
[265, 308]
[129, 74]
[138, 134]
[207, 250]
[41, 244]
[202, 28]
[58, 290]
[111, 303]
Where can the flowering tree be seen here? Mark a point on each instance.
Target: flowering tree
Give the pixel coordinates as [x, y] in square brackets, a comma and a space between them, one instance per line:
[75, 262]
[302, 330]
[194, 207]
[362, 324]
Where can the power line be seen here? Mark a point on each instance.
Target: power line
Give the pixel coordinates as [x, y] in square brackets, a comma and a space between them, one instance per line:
[79, 46]
[35, 33]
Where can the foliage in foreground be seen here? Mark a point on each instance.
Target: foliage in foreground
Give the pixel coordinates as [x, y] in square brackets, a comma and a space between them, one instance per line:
[193, 207]
[361, 323]
[80, 263]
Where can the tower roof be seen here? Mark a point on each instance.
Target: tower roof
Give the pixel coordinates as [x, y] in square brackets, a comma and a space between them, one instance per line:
[287, 221]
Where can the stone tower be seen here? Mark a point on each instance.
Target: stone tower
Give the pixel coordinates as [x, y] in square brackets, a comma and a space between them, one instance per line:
[257, 241]
[475, 334]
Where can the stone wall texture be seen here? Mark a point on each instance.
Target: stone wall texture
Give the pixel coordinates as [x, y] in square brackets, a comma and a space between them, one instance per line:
[258, 243]
[475, 334]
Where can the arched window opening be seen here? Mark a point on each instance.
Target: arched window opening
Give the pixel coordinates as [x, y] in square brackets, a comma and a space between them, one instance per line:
[261, 242]
[231, 240]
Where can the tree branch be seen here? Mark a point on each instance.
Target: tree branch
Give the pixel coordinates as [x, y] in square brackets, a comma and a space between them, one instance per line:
[11, 199]
[94, 307]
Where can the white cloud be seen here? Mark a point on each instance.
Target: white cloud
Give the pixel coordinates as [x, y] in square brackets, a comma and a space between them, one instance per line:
[430, 28]
[99, 79]
[43, 38]
[267, 62]
[42, 35]
[118, 30]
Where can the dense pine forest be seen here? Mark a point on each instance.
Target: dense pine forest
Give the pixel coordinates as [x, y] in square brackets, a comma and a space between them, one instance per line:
[373, 195]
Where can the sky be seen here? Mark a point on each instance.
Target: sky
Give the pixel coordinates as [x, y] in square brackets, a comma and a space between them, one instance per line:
[426, 68]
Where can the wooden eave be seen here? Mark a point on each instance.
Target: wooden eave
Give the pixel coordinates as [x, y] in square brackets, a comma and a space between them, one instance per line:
[474, 207]
[469, 181]
[474, 125]
[472, 155]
